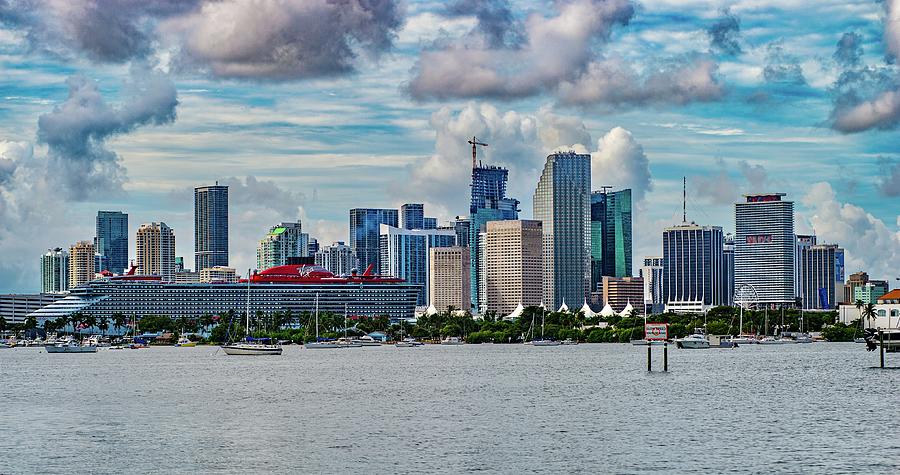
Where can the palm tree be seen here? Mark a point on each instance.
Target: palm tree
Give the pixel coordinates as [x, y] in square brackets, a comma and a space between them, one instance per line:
[103, 325]
[118, 321]
[2, 324]
[869, 312]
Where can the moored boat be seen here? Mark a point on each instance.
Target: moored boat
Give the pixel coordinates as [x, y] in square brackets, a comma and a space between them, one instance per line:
[452, 340]
[185, 342]
[695, 341]
[408, 343]
[71, 347]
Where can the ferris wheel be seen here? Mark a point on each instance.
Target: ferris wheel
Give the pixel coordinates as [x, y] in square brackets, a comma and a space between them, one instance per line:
[746, 296]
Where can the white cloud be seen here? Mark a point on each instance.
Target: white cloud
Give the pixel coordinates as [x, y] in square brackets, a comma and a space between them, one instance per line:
[620, 162]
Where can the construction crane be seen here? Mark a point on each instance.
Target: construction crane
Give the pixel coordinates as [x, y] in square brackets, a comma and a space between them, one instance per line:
[474, 143]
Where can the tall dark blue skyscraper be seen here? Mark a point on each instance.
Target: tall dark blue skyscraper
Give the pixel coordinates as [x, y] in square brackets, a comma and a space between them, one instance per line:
[111, 240]
[412, 216]
[364, 234]
[610, 235]
[488, 203]
[210, 226]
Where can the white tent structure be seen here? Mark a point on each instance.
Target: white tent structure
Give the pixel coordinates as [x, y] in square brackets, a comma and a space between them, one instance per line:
[515, 313]
[563, 308]
[627, 310]
[607, 311]
[431, 310]
[586, 310]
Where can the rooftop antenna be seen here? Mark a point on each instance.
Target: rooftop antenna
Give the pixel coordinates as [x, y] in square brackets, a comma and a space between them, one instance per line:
[605, 189]
[684, 200]
[475, 142]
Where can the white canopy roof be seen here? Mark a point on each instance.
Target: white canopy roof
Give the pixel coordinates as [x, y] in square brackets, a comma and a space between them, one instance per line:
[586, 310]
[607, 311]
[563, 308]
[627, 310]
[515, 313]
[431, 310]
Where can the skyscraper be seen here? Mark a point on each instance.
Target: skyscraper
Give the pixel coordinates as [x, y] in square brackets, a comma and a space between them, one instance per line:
[405, 254]
[652, 275]
[513, 265]
[54, 271]
[562, 202]
[155, 245]
[338, 258]
[765, 247]
[429, 223]
[693, 268]
[728, 252]
[210, 226]
[821, 276]
[610, 235]
[364, 234]
[112, 240]
[283, 241]
[412, 216]
[488, 203]
[448, 278]
[81, 263]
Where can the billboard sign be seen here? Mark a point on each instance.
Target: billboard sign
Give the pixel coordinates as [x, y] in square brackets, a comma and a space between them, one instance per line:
[763, 198]
[656, 331]
[759, 238]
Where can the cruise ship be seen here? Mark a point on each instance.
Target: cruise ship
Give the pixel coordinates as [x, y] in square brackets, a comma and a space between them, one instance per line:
[283, 288]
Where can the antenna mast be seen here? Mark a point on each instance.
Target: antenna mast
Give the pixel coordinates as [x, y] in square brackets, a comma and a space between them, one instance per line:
[684, 200]
[475, 142]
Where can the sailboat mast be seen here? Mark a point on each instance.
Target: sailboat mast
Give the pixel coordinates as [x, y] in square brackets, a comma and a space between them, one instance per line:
[317, 316]
[247, 330]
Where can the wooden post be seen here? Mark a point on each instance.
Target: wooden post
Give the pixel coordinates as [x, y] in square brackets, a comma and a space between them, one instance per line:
[666, 356]
[881, 340]
[649, 365]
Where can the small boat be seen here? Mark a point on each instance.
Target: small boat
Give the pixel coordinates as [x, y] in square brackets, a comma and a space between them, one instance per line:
[116, 347]
[891, 340]
[366, 340]
[545, 343]
[802, 338]
[185, 342]
[771, 340]
[569, 341]
[71, 347]
[695, 341]
[744, 339]
[542, 341]
[252, 346]
[320, 343]
[408, 343]
[345, 342]
[859, 340]
[137, 344]
[452, 340]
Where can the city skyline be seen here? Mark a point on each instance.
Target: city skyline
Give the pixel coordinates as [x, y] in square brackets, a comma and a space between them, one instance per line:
[301, 145]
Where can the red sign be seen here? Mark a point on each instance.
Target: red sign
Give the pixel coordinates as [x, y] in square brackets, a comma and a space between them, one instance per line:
[656, 331]
[762, 198]
[759, 238]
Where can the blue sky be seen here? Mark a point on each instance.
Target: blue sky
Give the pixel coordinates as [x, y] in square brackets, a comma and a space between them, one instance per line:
[118, 104]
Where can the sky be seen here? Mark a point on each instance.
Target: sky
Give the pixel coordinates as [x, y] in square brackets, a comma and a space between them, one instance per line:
[307, 108]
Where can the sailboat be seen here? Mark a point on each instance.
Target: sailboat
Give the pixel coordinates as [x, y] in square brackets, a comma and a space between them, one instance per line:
[320, 344]
[542, 341]
[250, 345]
[345, 341]
[407, 342]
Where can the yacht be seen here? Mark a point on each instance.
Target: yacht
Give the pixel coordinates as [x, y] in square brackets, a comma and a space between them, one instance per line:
[408, 343]
[345, 342]
[569, 341]
[452, 340]
[185, 342]
[250, 345]
[802, 338]
[366, 340]
[771, 340]
[71, 347]
[695, 341]
[545, 343]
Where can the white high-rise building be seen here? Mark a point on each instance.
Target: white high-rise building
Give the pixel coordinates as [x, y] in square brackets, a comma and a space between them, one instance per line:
[338, 258]
[156, 251]
[652, 275]
[283, 241]
[765, 248]
[55, 271]
[562, 202]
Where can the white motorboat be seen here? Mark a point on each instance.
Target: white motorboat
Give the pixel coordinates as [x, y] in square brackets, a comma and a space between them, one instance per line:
[408, 343]
[345, 342]
[696, 341]
[452, 340]
[802, 338]
[366, 340]
[545, 343]
[185, 342]
[71, 347]
[771, 340]
[569, 341]
[251, 346]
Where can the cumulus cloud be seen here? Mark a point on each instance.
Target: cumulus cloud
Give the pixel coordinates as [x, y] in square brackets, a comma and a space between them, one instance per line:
[724, 34]
[782, 67]
[889, 184]
[281, 40]
[615, 82]
[496, 22]
[256, 39]
[76, 131]
[620, 162]
[848, 51]
[870, 244]
[721, 187]
[11, 155]
[554, 48]
[254, 193]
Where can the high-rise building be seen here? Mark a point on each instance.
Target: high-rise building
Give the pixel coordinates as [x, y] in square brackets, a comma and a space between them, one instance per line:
[765, 247]
[652, 275]
[111, 240]
[462, 225]
[869, 292]
[429, 223]
[364, 234]
[210, 226]
[488, 203]
[412, 216]
[562, 202]
[218, 274]
[803, 241]
[728, 252]
[313, 247]
[338, 258]
[513, 265]
[81, 263]
[819, 280]
[179, 264]
[610, 235]
[620, 292]
[54, 271]
[155, 245]
[405, 254]
[693, 268]
[282, 242]
[448, 277]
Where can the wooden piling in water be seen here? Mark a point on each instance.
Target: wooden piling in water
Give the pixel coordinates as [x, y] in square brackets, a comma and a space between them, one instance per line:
[666, 357]
[881, 341]
[649, 363]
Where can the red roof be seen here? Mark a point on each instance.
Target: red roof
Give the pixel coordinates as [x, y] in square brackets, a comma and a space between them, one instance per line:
[312, 274]
[892, 295]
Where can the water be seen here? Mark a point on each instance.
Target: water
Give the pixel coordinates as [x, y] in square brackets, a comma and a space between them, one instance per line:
[492, 408]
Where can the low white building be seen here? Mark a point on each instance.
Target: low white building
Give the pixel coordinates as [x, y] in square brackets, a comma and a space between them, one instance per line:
[887, 311]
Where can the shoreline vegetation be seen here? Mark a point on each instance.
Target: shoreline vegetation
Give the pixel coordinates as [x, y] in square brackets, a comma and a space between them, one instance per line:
[300, 328]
